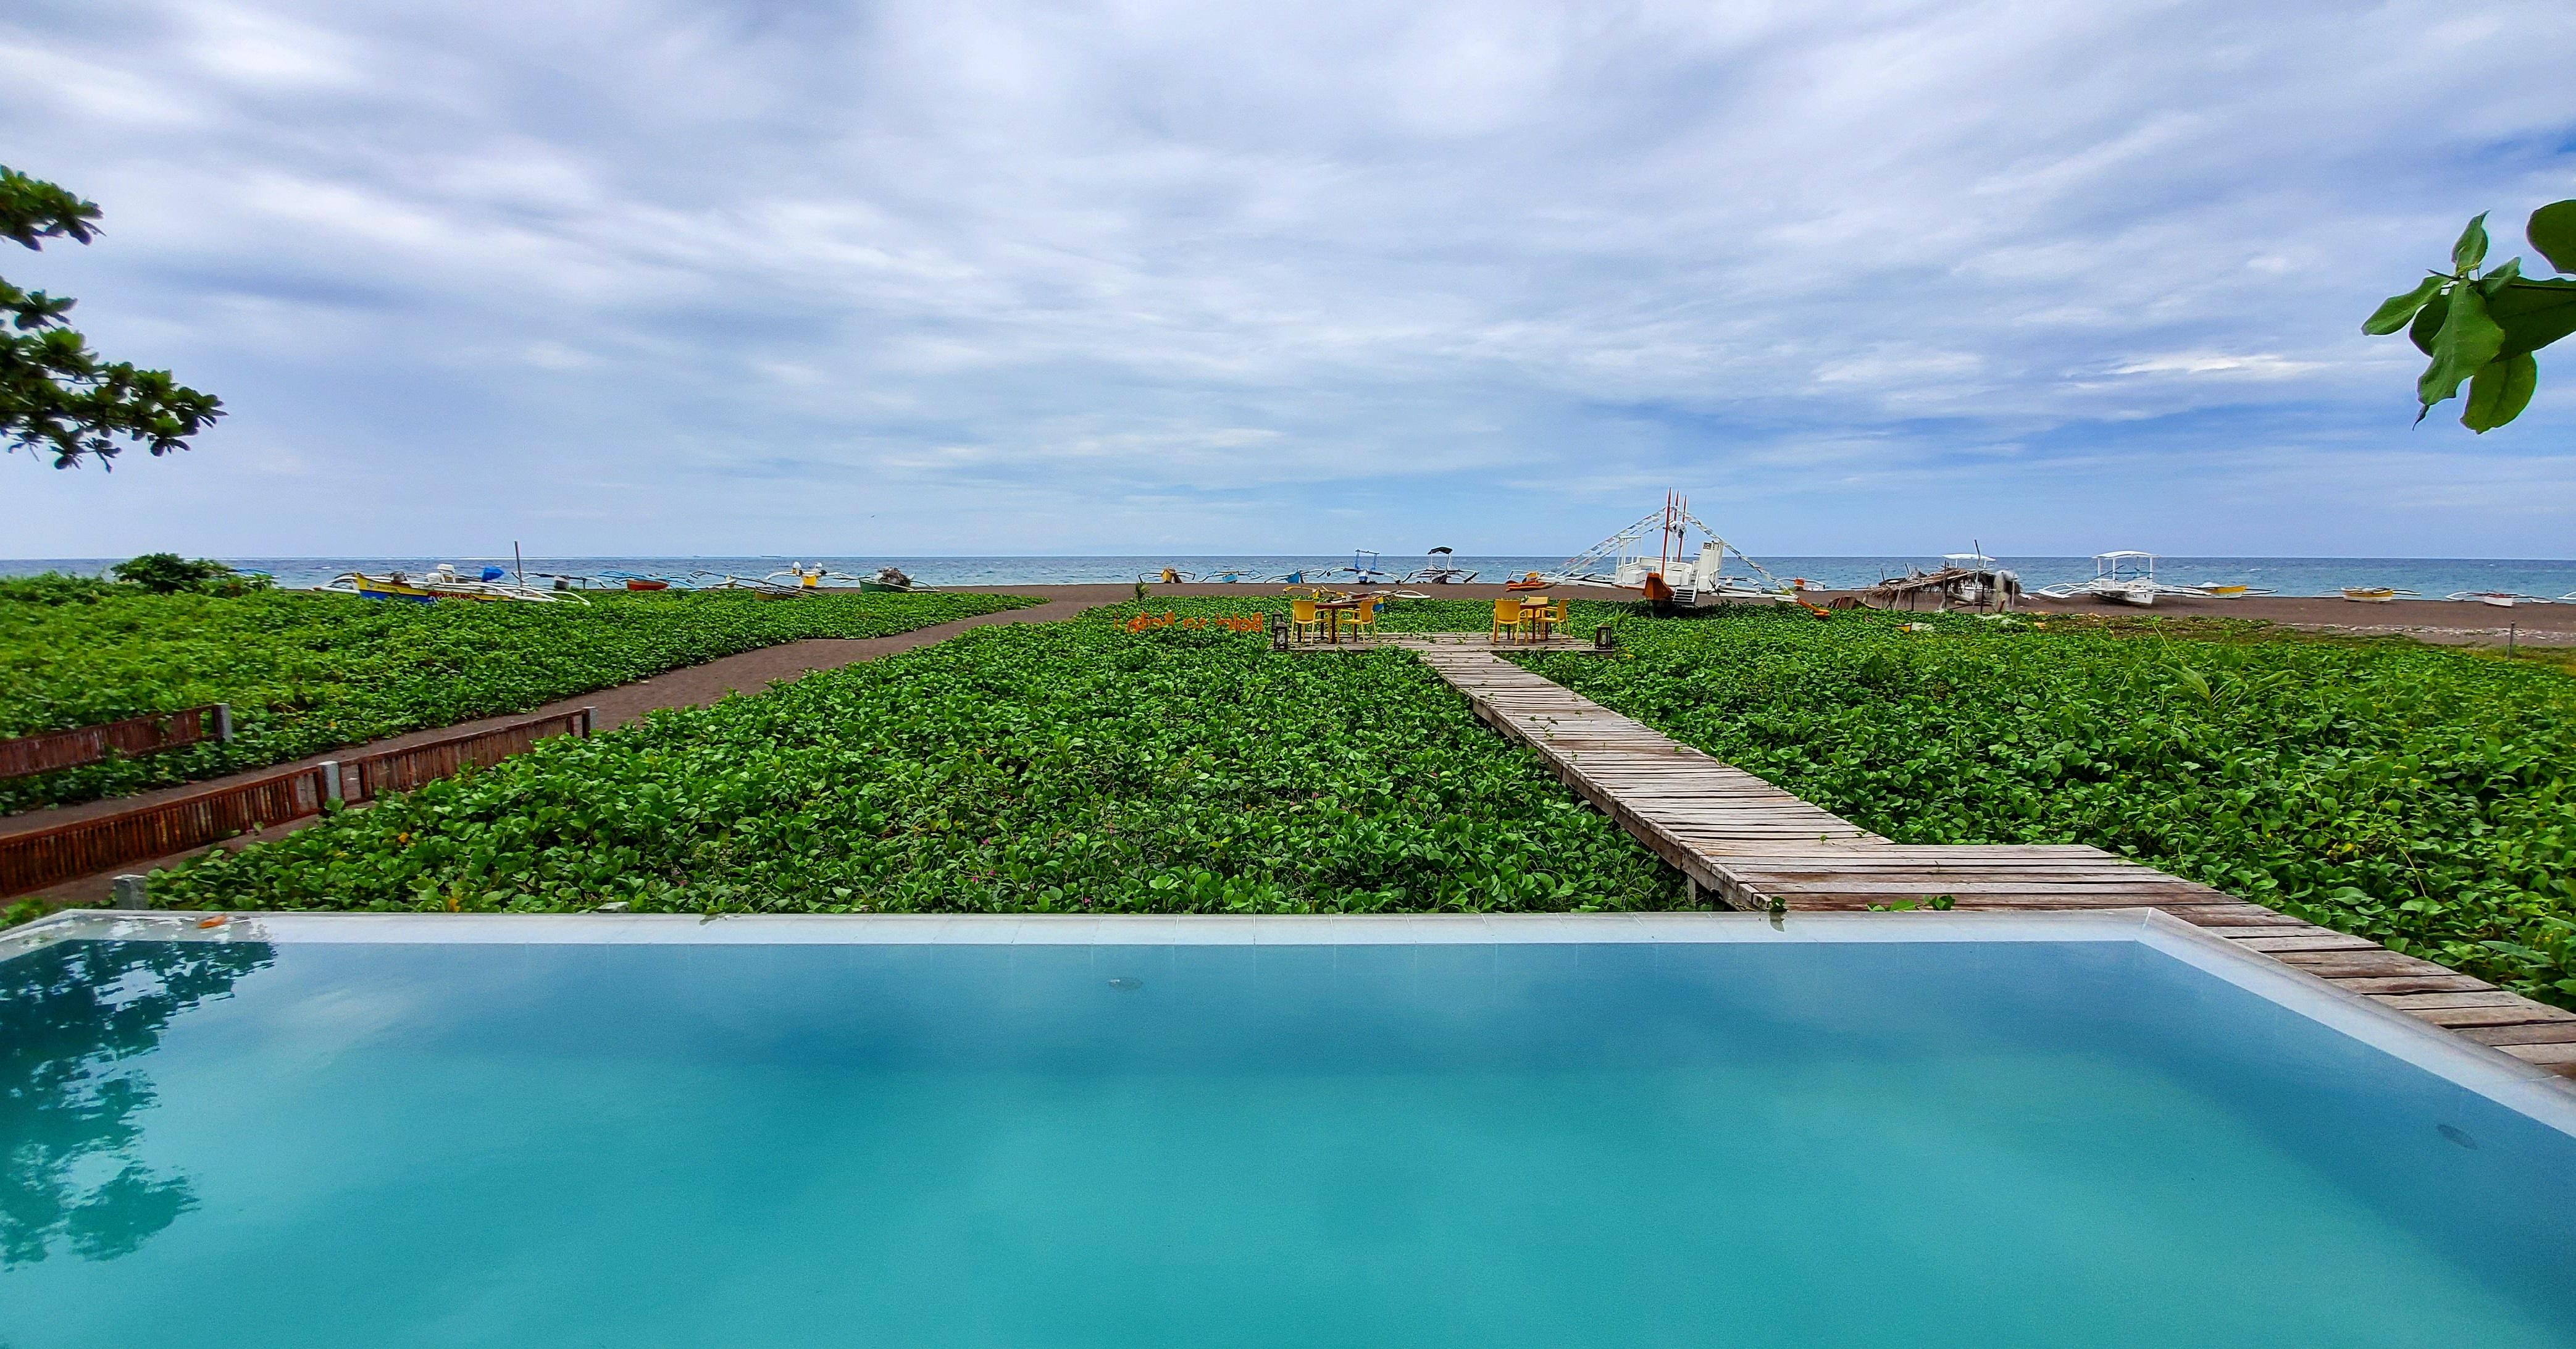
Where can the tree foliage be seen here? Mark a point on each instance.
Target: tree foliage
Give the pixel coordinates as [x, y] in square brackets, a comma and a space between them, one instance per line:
[169, 573]
[2481, 329]
[57, 396]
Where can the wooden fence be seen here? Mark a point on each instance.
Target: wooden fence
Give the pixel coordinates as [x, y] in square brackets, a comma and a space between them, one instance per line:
[43, 753]
[43, 857]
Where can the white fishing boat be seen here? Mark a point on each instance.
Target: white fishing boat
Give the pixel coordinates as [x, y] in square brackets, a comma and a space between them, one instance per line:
[1977, 578]
[1705, 577]
[2124, 576]
[2501, 599]
[442, 583]
[1437, 569]
[1364, 568]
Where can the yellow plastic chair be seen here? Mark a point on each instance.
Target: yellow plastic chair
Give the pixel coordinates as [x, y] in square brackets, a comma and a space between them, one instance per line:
[1507, 618]
[1551, 619]
[1301, 616]
[1364, 618]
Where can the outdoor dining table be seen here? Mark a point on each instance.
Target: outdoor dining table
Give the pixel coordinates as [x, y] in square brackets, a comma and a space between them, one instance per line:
[1332, 610]
[1534, 614]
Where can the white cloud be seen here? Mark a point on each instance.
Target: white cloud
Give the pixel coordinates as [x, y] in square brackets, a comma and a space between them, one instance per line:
[1034, 273]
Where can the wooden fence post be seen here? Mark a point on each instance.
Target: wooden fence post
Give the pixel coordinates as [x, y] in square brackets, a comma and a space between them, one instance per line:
[224, 722]
[589, 721]
[330, 781]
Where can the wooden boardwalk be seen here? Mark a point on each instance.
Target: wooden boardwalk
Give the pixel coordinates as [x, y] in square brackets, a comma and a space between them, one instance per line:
[1754, 846]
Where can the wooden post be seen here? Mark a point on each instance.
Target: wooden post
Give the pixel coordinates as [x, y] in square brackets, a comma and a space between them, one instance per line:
[589, 721]
[330, 782]
[129, 892]
[224, 722]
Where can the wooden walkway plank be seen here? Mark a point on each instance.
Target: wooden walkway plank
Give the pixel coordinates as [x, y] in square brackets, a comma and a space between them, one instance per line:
[1756, 846]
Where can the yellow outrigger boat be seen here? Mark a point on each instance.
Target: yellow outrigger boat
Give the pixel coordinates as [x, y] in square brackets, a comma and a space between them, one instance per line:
[442, 583]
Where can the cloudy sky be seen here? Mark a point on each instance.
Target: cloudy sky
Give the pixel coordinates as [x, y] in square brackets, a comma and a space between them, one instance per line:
[780, 276]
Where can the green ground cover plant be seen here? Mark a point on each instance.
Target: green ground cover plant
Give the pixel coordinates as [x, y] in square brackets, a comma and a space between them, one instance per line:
[2424, 797]
[307, 672]
[1065, 767]
[1399, 616]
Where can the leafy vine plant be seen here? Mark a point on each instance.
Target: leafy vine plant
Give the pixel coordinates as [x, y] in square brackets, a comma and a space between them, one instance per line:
[2481, 329]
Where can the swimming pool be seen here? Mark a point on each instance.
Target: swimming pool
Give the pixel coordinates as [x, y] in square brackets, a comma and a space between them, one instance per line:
[1673, 1130]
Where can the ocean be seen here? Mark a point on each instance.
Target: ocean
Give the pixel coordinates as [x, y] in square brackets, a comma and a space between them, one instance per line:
[2431, 577]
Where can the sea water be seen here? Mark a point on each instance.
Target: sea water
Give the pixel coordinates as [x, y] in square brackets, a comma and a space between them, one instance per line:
[2432, 578]
[1878, 1143]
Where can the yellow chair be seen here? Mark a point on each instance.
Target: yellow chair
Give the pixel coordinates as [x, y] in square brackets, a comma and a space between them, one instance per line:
[1553, 619]
[1364, 618]
[1301, 616]
[1507, 618]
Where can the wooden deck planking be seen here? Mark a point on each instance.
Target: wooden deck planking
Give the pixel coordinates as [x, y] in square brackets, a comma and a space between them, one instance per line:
[1756, 846]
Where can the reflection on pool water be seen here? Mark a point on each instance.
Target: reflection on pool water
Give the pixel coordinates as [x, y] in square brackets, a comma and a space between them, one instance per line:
[1696, 1132]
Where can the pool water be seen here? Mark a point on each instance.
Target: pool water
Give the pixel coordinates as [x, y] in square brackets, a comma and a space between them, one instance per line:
[1087, 1143]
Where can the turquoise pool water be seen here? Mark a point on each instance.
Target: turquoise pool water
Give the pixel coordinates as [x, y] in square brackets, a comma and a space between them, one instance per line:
[2027, 1142]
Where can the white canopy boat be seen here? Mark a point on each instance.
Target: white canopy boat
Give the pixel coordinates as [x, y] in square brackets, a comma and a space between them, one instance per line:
[1438, 568]
[2125, 576]
[2502, 599]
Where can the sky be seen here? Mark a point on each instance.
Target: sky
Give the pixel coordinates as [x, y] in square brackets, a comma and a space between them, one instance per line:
[974, 278]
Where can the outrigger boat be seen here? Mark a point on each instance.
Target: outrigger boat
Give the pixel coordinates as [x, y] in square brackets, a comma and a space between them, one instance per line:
[1703, 579]
[2375, 594]
[1970, 580]
[1436, 570]
[442, 583]
[2502, 599]
[1364, 569]
[2124, 576]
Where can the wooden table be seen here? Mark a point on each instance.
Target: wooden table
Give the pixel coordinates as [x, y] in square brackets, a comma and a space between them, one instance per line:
[1332, 611]
[1534, 614]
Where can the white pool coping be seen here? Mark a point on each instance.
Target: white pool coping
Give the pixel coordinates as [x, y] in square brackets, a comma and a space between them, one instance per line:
[2518, 1086]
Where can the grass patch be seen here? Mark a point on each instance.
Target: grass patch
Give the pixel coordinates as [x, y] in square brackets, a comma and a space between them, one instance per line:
[1067, 767]
[2417, 795]
[305, 672]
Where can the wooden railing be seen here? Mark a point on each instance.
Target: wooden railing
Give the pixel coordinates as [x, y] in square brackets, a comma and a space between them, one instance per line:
[49, 750]
[43, 857]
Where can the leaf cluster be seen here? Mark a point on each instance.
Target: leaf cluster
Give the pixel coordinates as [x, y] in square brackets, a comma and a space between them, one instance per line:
[57, 396]
[307, 672]
[2423, 797]
[2481, 329]
[169, 573]
[1069, 767]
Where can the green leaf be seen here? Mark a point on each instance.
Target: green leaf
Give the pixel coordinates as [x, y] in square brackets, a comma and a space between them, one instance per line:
[2500, 392]
[2468, 340]
[2497, 278]
[2472, 247]
[2428, 321]
[2533, 314]
[2553, 231]
[2395, 311]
